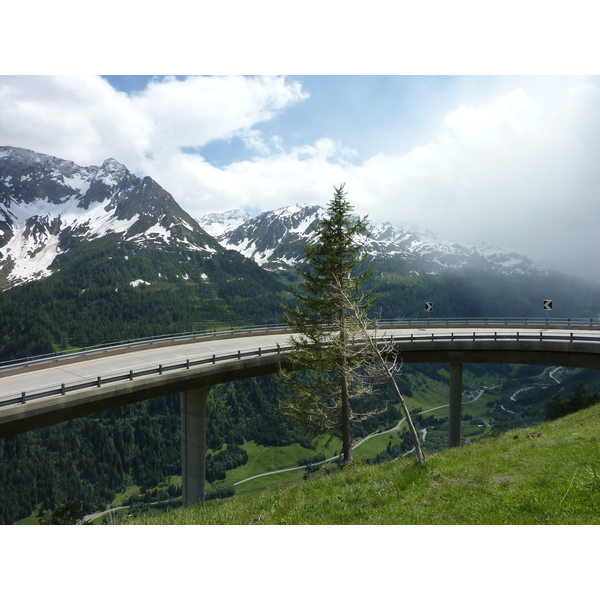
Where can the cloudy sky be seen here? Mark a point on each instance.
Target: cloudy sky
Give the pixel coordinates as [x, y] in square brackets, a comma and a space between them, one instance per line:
[509, 160]
[506, 160]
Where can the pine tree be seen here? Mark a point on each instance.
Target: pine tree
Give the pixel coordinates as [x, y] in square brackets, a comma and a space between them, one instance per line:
[319, 380]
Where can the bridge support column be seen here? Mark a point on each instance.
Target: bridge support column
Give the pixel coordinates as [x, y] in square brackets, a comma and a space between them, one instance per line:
[193, 445]
[455, 411]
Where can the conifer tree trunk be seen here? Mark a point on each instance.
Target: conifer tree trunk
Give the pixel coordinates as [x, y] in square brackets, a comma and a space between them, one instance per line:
[345, 402]
[344, 394]
[380, 356]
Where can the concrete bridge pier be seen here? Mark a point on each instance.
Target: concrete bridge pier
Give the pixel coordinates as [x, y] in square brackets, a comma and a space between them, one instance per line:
[193, 445]
[455, 410]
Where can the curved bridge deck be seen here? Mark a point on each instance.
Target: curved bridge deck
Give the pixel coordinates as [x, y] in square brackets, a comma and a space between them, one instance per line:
[42, 392]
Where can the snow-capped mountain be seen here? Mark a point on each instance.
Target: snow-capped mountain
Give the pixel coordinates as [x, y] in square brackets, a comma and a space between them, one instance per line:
[430, 254]
[275, 239]
[220, 224]
[47, 202]
[101, 239]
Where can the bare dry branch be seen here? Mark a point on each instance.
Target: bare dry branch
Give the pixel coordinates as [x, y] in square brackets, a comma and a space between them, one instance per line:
[381, 355]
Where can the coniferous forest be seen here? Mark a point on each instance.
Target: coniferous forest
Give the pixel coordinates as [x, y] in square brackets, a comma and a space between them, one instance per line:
[91, 298]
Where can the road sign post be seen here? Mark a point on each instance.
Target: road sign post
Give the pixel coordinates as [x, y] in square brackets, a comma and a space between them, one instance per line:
[547, 304]
[428, 309]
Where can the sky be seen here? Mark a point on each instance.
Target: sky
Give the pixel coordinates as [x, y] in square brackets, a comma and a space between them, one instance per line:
[481, 126]
[504, 160]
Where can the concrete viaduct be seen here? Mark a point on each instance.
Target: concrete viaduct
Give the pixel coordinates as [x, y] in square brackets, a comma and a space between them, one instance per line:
[49, 390]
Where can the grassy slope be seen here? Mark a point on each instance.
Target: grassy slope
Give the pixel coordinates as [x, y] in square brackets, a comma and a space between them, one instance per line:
[549, 474]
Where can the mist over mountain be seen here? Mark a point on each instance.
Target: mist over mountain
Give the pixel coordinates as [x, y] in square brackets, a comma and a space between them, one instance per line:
[413, 266]
[104, 234]
[221, 224]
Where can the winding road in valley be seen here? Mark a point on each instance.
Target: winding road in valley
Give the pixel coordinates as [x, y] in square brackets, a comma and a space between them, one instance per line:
[362, 441]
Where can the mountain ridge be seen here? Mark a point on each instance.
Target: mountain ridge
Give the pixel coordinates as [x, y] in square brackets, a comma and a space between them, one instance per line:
[46, 201]
[274, 240]
[52, 210]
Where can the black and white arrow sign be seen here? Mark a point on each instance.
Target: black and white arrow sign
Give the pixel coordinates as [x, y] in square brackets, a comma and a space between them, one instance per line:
[547, 304]
[428, 306]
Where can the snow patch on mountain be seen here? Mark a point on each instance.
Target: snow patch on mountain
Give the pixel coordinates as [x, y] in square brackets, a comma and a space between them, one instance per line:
[31, 261]
[219, 224]
[33, 247]
[154, 232]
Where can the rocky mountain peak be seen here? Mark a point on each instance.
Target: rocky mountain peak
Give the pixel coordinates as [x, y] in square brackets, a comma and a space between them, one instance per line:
[46, 201]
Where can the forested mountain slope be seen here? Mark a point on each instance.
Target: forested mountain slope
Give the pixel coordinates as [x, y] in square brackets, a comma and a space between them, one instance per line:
[94, 457]
[542, 475]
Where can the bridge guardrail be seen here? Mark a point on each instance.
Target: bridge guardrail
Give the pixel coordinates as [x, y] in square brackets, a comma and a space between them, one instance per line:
[397, 323]
[495, 336]
[491, 321]
[411, 338]
[148, 341]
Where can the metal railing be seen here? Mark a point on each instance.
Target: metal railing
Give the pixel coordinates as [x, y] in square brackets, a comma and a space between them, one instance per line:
[396, 323]
[490, 321]
[124, 344]
[517, 336]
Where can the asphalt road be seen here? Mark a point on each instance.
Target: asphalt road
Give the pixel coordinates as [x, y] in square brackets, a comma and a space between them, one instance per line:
[17, 380]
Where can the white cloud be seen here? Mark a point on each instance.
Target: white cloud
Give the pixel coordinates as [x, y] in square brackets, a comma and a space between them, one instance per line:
[199, 110]
[519, 172]
[82, 118]
[78, 118]
[517, 168]
[510, 114]
[256, 141]
[509, 173]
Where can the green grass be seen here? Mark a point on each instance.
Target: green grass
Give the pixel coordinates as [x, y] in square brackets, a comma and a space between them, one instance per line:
[32, 519]
[122, 498]
[265, 458]
[548, 474]
[373, 446]
[429, 393]
[268, 481]
[262, 459]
